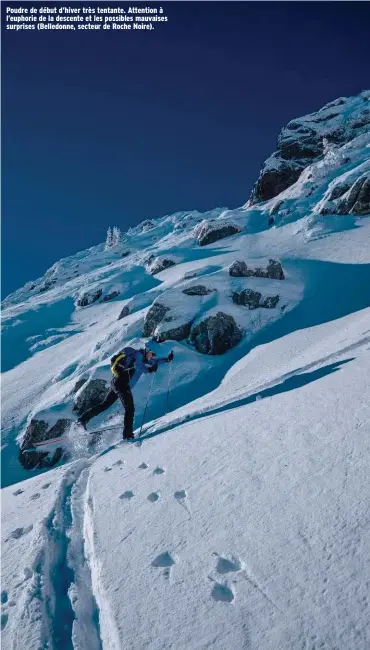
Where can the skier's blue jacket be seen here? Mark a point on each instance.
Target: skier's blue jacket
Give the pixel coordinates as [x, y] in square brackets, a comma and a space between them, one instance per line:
[134, 363]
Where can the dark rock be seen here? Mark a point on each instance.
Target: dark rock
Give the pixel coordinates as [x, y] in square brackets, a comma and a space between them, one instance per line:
[160, 265]
[154, 316]
[253, 299]
[110, 296]
[238, 269]
[124, 312]
[272, 181]
[270, 302]
[197, 290]
[40, 431]
[89, 298]
[274, 270]
[94, 392]
[79, 385]
[248, 298]
[125, 253]
[209, 233]
[47, 285]
[176, 334]
[216, 334]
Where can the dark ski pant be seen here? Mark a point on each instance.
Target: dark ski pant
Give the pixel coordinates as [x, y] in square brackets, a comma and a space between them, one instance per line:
[120, 390]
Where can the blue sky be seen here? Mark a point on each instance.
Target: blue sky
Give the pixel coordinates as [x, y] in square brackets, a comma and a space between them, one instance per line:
[112, 128]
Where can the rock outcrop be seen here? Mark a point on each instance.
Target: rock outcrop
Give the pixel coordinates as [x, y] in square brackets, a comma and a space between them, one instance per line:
[209, 232]
[124, 312]
[274, 270]
[253, 299]
[197, 290]
[89, 297]
[304, 139]
[216, 334]
[38, 431]
[347, 197]
[110, 296]
[154, 316]
[160, 264]
[94, 392]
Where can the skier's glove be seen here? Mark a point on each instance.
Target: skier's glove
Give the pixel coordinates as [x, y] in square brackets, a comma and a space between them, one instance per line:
[170, 356]
[153, 367]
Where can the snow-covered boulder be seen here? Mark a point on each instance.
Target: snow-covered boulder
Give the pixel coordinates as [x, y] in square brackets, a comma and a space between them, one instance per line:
[94, 392]
[40, 430]
[273, 270]
[216, 334]
[110, 296]
[89, 297]
[209, 232]
[154, 316]
[159, 264]
[253, 299]
[197, 290]
[171, 316]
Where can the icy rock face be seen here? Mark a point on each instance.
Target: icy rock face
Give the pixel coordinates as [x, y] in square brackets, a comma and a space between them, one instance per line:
[94, 392]
[303, 141]
[347, 196]
[216, 334]
[40, 431]
[160, 264]
[210, 231]
[197, 290]
[124, 312]
[110, 296]
[253, 299]
[89, 297]
[160, 315]
[274, 270]
[178, 333]
[154, 316]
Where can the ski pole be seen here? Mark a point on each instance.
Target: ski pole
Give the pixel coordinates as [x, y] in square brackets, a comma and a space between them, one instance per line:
[146, 405]
[168, 388]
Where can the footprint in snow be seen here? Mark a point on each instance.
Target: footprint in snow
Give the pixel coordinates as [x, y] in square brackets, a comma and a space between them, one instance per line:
[153, 497]
[163, 561]
[180, 495]
[4, 597]
[119, 462]
[127, 495]
[35, 496]
[227, 565]
[222, 593]
[107, 469]
[4, 620]
[46, 485]
[143, 466]
[18, 492]
[159, 470]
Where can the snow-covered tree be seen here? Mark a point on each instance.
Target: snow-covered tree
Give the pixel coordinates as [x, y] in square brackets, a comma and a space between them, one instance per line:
[109, 239]
[116, 236]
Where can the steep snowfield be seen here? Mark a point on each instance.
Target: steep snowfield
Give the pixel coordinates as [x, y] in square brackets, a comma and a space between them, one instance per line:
[240, 520]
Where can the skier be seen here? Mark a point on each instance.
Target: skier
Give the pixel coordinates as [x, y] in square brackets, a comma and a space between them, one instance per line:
[127, 366]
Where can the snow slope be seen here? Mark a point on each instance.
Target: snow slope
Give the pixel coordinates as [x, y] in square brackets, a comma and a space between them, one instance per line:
[241, 518]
